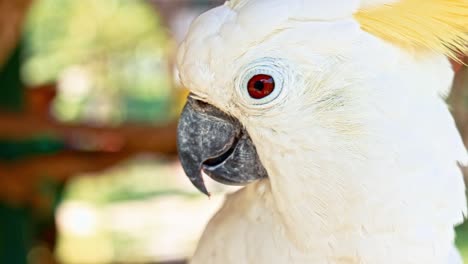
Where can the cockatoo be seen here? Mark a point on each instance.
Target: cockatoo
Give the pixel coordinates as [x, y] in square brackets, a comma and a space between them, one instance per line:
[332, 115]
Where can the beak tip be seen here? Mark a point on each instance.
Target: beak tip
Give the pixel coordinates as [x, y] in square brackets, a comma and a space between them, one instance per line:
[196, 178]
[204, 190]
[200, 185]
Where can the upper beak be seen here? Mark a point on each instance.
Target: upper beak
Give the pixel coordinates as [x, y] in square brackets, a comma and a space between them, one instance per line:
[210, 140]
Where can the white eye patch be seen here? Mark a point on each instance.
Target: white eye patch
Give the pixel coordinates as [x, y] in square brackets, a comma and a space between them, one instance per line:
[262, 83]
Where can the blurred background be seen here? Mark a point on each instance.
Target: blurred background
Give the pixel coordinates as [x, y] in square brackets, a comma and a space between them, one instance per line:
[88, 110]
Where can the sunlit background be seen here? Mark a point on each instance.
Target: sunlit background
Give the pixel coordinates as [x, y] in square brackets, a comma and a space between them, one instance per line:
[89, 101]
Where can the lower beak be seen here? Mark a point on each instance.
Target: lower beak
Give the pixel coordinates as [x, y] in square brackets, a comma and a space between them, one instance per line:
[211, 141]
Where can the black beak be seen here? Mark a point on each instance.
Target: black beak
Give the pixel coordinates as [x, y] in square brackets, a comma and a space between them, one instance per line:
[210, 140]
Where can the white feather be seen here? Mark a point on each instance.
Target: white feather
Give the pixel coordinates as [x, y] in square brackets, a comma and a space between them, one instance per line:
[361, 150]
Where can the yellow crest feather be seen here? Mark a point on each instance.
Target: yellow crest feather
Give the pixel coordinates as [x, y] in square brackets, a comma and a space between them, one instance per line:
[418, 25]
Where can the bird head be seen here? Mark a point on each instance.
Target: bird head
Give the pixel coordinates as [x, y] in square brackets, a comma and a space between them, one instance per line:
[276, 81]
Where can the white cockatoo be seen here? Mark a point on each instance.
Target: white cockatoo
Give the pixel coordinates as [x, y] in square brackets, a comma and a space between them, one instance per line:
[332, 115]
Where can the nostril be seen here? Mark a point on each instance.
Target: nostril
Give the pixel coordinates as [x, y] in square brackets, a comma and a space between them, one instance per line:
[198, 104]
[202, 104]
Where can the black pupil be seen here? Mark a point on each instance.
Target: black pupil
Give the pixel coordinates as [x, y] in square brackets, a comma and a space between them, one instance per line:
[259, 85]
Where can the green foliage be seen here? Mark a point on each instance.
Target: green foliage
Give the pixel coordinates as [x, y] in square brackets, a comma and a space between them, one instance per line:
[111, 58]
[20, 149]
[15, 234]
[12, 97]
[462, 241]
[66, 32]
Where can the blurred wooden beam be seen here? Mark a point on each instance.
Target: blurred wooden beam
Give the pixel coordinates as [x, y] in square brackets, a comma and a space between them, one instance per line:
[130, 137]
[12, 16]
[19, 180]
[109, 146]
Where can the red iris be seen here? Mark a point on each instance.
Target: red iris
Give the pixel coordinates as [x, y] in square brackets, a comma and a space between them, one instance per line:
[260, 86]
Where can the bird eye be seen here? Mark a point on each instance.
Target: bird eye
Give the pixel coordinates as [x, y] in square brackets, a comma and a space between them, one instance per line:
[260, 86]
[261, 83]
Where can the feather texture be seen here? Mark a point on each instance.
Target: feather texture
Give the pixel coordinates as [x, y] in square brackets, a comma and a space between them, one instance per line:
[420, 25]
[361, 151]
